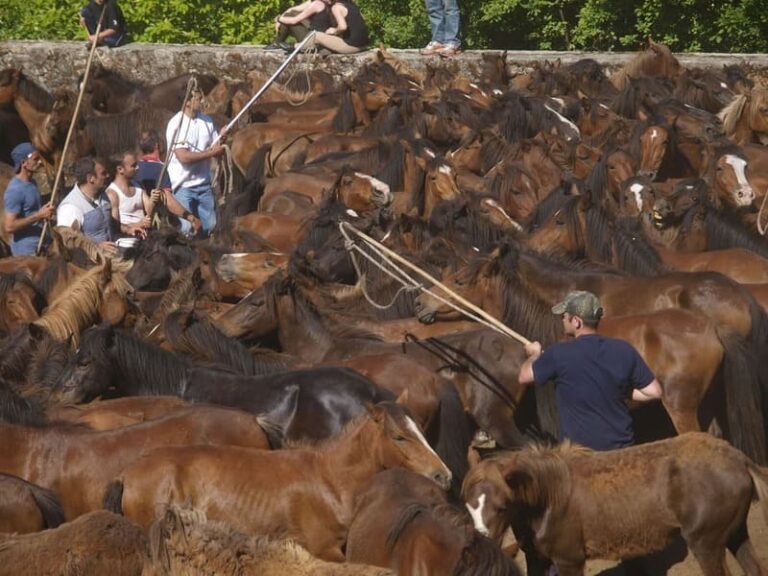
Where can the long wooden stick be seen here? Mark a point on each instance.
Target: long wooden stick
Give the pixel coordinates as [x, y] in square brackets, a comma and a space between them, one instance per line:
[75, 114]
[477, 310]
[269, 82]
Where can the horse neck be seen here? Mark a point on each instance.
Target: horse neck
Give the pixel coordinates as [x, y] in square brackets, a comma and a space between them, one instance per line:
[132, 377]
[304, 335]
[551, 283]
[349, 462]
[35, 121]
[742, 133]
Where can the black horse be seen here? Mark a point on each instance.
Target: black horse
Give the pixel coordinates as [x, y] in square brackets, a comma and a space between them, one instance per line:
[307, 404]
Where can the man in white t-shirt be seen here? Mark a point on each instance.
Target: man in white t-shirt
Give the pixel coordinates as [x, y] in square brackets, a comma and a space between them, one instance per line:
[191, 137]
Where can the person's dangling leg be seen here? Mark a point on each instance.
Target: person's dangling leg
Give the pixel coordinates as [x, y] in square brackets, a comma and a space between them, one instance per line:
[334, 44]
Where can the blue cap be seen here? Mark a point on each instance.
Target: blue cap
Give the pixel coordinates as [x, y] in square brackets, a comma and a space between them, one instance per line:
[20, 153]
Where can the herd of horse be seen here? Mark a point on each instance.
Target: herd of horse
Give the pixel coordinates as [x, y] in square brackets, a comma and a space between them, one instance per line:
[261, 402]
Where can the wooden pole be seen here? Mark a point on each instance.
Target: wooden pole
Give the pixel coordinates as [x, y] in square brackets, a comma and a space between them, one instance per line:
[72, 124]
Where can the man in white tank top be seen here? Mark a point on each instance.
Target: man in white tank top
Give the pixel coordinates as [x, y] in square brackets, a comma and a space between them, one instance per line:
[131, 206]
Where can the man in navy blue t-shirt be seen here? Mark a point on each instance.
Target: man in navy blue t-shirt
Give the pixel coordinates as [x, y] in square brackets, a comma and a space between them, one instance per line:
[594, 377]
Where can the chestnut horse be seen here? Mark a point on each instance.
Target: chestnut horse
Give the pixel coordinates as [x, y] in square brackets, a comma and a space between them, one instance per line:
[569, 503]
[744, 119]
[303, 494]
[402, 521]
[26, 507]
[20, 302]
[78, 463]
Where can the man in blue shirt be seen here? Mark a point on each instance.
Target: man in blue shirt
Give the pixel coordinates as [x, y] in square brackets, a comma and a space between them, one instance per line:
[594, 377]
[24, 214]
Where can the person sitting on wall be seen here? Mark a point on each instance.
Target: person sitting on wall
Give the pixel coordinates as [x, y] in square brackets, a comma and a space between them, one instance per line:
[300, 21]
[113, 29]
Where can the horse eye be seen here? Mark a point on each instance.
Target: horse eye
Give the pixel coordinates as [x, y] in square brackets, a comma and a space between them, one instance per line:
[400, 438]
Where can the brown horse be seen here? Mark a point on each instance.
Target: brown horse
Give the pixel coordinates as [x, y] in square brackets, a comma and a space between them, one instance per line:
[744, 119]
[25, 507]
[569, 503]
[306, 495]
[118, 412]
[20, 302]
[98, 543]
[655, 60]
[78, 463]
[683, 348]
[183, 541]
[403, 522]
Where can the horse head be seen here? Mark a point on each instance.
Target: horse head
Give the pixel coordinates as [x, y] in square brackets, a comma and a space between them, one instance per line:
[729, 182]
[654, 143]
[9, 82]
[89, 372]
[398, 442]
[486, 494]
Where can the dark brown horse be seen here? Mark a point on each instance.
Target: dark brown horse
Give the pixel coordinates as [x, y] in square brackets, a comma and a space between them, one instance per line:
[304, 494]
[26, 507]
[569, 504]
[402, 521]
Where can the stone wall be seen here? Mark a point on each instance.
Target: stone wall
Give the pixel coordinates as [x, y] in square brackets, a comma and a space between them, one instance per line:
[58, 64]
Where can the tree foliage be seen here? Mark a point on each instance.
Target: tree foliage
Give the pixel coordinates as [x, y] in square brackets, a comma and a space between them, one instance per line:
[684, 25]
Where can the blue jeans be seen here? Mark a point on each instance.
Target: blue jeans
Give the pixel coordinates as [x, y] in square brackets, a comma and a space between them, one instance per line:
[444, 20]
[200, 201]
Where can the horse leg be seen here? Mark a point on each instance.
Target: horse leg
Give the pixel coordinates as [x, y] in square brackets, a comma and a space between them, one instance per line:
[711, 557]
[684, 420]
[569, 568]
[742, 549]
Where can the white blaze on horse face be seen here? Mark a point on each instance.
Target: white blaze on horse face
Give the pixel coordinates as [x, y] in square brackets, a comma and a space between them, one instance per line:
[654, 134]
[237, 255]
[445, 169]
[416, 432]
[353, 213]
[381, 187]
[636, 189]
[565, 120]
[743, 195]
[429, 153]
[477, 515]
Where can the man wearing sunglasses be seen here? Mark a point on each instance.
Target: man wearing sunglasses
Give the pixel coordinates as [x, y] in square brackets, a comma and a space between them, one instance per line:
[594, 377]
[24, 211]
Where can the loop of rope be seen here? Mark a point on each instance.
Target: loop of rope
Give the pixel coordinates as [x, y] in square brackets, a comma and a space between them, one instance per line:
[308, 63]
[476, 314]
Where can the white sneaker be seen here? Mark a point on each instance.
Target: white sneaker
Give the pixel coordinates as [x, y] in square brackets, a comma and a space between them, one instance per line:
[431, 48]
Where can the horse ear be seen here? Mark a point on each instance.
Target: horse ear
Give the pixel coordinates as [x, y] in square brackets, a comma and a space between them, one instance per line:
[106, 271]
[376, 412]
[586, 105]
[403, 398]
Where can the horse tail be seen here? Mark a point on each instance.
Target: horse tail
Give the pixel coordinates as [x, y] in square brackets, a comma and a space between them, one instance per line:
[48, 504]
[452, 431]
[113, 497]
[273, 431]
[407, 516]
[743, 398]
[760, 482]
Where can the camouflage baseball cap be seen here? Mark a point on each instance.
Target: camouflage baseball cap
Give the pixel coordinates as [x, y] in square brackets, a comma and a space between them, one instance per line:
[580, 303]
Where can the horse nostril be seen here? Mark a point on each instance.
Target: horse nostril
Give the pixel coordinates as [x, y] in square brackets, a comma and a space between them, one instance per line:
[442, 479]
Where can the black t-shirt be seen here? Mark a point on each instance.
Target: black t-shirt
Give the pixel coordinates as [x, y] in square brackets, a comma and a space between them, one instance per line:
[113, 18]
[594, 376]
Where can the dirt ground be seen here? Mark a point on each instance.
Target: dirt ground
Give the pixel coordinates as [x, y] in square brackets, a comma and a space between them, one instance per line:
[758, 532]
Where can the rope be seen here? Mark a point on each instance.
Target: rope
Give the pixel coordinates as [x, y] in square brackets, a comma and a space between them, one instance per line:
[464, 307]
[308, 64]
[760, 227]
[72, 124]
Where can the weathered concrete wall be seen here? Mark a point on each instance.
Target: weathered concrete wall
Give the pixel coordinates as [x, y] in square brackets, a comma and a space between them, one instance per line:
[58, 64]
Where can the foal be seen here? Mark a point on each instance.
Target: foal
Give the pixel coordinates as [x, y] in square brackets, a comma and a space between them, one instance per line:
[571, 504]
[305, 494]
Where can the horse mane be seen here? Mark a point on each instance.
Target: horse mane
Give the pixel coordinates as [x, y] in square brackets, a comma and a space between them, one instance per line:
[74, 239]
[724, 230]
[644, 63]
[145, 368]
[15, 409]
[47, 364]
[345, 120]
[39, 97]
[200, 339]
[117, 132]
[479, 556]
[539, 476]
[732, 113]
[77, 308]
